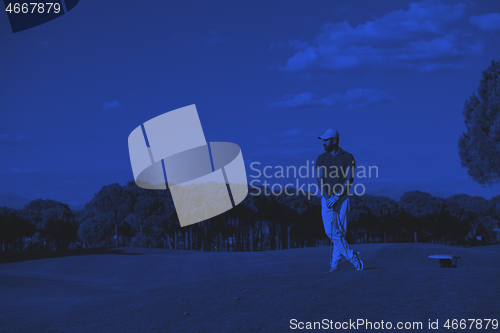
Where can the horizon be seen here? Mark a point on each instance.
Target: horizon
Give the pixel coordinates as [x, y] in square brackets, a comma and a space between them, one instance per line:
[270, 193]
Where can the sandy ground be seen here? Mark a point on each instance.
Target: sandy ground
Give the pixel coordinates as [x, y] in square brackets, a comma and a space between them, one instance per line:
[143, 290]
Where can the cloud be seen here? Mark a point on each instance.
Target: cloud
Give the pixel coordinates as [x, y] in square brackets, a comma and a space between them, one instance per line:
[305, 99]
[421, 37]
[215, 38]
[352, 99]
[298, 44]
[6, 140]
[358, 98]
[488, 22]
[111, 105]
[292, 132]
[303, 59]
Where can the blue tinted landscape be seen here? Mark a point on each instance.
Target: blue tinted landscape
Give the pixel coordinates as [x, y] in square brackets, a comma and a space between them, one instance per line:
[411, 87]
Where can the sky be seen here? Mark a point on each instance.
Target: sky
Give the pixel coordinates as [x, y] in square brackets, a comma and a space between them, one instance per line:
[390, 76]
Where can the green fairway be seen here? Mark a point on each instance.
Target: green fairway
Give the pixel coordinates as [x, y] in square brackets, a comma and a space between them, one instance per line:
[188, 291]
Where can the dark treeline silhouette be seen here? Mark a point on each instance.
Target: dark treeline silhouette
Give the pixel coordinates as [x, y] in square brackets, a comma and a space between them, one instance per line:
[120, 216]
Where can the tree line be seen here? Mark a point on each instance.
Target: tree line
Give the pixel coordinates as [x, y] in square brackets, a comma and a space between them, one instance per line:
[119, 216]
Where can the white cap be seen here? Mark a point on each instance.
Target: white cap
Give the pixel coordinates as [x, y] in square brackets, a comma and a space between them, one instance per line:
[330, 133]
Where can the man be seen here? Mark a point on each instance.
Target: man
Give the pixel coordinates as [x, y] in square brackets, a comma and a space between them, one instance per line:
[335, 175]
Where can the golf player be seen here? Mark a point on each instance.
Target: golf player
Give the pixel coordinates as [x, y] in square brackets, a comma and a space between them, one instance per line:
[335, 175]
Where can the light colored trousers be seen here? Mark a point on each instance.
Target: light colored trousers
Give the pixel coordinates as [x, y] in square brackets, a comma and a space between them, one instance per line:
[335, 223]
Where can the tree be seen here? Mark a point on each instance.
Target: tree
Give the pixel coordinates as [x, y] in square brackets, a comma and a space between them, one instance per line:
[94, 231]
[360, 218]
[429, 210]
[13, 227]
[153, 218]
[111, 205]
[479, 148]
[53, 220]
[477, 205]
[386, 213]
[473, 214]
[494, 212]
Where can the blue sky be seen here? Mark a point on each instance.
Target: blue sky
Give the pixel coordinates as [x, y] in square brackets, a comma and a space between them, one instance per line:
[390, 76]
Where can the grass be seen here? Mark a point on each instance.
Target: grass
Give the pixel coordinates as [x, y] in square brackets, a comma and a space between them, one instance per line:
[184, 291]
